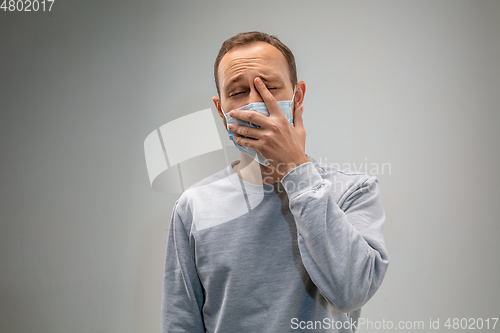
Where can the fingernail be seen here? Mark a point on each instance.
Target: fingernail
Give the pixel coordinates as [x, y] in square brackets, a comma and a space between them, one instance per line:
[231, 113]
[231, 126]
[258, 80]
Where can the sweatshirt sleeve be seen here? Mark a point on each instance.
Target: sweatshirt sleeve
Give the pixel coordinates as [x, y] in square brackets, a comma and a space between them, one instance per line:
[182, 298]
[340, 240]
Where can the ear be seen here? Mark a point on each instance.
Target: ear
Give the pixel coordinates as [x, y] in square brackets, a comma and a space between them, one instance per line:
[299, 94]
[218, 107]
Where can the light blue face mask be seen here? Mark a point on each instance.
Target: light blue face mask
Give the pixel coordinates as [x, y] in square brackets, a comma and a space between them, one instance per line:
[286, 108]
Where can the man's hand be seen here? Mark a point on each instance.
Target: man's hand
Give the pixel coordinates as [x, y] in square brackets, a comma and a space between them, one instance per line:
[281, 144]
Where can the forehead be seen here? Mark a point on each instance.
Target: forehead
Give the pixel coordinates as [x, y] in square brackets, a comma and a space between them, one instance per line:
[258, 58]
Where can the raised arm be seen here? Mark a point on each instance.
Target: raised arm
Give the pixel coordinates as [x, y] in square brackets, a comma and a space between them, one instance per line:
[339, 234]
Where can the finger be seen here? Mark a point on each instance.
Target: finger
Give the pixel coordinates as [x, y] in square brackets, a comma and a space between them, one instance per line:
[247, 142]
[267, 97]
[246, 131]
[297, 117]
[253, 117]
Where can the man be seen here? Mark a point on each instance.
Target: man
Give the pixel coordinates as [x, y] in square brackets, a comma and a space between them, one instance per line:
[276, 242]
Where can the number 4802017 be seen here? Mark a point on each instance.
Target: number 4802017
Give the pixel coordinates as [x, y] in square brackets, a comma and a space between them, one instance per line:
[27, 5]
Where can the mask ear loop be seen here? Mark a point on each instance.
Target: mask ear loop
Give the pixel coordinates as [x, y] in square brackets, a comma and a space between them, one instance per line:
[221, 107]
[227, 129]
[292, 105]
[220, 104]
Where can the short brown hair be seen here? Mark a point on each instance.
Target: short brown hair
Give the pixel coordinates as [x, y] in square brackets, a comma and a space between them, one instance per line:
[245, 38]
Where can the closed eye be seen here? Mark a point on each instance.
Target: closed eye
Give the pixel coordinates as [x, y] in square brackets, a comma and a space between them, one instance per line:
[237, 93]
[244, 91]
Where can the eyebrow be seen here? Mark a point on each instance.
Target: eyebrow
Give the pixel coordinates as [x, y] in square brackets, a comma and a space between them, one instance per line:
[271, 78]
[236, 79]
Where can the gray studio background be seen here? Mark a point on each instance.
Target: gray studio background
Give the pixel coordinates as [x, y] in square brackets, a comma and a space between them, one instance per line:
[410, 83]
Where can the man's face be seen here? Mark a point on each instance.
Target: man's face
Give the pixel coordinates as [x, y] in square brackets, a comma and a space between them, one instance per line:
[238, 69]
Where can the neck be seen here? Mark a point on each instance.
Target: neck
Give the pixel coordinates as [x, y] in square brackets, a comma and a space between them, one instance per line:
[253, 172]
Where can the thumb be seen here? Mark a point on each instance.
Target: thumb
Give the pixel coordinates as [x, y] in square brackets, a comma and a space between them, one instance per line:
[298, 122]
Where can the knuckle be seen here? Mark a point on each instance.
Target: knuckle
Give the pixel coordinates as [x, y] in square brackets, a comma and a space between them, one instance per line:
[274, 127]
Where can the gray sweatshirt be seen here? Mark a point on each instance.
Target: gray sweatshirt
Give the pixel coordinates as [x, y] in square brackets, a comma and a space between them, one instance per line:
[301, 255]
